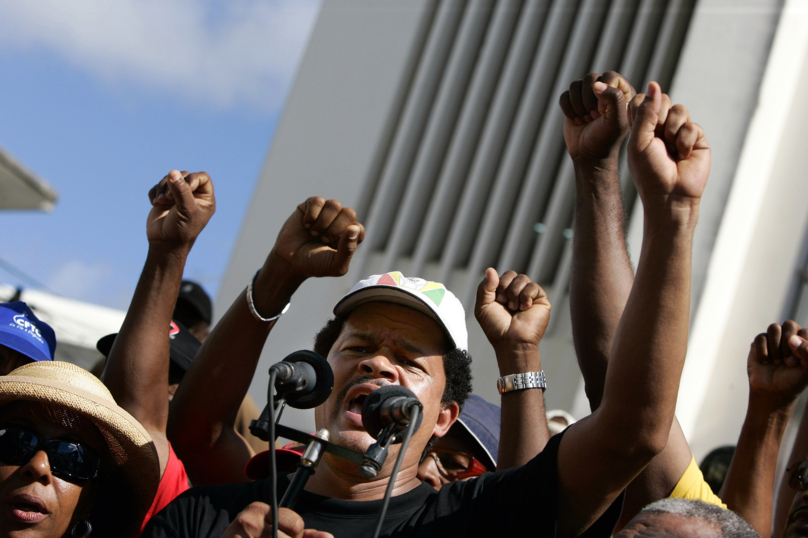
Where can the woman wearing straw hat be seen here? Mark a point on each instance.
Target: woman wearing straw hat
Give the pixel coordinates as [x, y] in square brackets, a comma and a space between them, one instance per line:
[72, 462]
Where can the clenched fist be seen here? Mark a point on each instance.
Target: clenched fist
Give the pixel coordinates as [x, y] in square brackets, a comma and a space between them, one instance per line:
[668, 155]
[596, 116]
[182, 205]
[513, 312]
[778, 362]
[318, 239]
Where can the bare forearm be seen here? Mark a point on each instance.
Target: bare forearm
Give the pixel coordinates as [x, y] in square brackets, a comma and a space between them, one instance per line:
[204, 409]
[136, 371]
[651, 341]
[601, 275]
[600, 285]
[749, 484]
[522, 416]
[785, 495]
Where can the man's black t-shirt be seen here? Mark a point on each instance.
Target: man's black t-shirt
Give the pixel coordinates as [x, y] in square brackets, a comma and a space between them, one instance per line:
[521, 500]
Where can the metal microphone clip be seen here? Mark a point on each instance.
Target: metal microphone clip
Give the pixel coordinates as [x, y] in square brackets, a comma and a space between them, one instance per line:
[377, 453]
[260, 426]
[305, 468]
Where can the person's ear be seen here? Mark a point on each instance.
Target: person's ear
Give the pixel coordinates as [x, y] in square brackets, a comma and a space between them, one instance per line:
[447, 417]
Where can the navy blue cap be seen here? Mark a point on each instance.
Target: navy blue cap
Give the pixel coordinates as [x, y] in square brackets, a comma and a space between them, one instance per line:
[482, 419]
[23, 332]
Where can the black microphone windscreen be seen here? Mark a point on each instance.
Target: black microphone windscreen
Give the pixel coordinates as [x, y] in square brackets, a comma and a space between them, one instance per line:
[372, 418]
[319, 389]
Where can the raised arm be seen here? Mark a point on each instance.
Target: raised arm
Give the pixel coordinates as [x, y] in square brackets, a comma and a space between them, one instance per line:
[778, 373]
[785, 494]
[596, 122]
[136, 370]
[513, 312]
[601, 454]
[318, 239]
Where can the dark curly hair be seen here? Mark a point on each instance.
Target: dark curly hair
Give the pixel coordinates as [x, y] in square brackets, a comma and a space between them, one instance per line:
[456, 363]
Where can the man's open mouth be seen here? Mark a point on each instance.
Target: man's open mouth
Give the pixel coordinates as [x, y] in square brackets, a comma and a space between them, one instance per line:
[356, 403]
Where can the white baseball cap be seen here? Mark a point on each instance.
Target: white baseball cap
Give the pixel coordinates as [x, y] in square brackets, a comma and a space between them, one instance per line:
[430, 298]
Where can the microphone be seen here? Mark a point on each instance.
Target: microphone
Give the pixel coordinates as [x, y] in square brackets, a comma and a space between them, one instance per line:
[387, 406]
[304, 379]
[386, 413]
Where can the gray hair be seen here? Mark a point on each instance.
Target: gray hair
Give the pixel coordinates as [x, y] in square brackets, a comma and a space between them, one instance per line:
[730, 524]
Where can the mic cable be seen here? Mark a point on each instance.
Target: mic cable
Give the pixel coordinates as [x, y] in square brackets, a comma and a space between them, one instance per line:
[410, 430]
[273, 464]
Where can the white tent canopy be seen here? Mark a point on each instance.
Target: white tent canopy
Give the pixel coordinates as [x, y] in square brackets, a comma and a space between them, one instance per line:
[77, 325]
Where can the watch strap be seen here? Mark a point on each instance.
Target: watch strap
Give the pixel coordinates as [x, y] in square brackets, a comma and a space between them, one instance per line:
[523, 381]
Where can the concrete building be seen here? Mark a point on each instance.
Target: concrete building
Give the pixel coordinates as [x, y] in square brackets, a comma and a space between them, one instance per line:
[438, 121]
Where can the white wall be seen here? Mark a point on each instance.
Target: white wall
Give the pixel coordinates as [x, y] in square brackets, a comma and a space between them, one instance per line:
[757, 248]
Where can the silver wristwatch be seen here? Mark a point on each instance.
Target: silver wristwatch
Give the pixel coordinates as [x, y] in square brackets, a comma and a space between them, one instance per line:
[527, 380]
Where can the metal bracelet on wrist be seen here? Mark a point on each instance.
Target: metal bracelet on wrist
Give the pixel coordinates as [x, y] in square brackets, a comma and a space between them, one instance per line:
[251, 303]
[523, 381]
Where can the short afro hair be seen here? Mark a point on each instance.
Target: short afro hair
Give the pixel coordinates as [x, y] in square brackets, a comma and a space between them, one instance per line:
[726, 522]
[456, 363]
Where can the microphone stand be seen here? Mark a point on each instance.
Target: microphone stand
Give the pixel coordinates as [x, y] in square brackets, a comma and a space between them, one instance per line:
[273, 465]
[305, 468]
[408, 432]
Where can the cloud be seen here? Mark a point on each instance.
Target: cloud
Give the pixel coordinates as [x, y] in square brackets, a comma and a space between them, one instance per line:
[224, 53]
[82, 281]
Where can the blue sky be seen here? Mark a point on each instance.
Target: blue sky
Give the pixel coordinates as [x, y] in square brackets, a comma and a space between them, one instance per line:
[101, 99]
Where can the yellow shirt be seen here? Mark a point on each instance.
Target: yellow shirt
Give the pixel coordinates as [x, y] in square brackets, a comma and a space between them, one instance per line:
[693, 487]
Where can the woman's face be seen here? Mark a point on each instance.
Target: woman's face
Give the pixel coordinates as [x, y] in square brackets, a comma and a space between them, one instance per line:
[34, 502]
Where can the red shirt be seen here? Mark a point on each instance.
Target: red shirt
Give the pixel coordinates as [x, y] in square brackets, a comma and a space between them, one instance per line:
[174, 482]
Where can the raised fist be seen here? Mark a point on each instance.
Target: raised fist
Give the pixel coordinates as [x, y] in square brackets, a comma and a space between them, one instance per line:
[778, 362]
[318, 239]
[182, 205]
[512, 310]
[668, 155]
[596, 116]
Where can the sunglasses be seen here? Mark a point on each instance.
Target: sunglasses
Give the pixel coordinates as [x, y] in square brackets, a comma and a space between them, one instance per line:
[457, 465]
[68, 459]
[798, 476]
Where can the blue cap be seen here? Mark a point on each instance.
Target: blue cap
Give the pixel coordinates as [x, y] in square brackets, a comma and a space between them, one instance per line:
[482, 419]
[23, 332]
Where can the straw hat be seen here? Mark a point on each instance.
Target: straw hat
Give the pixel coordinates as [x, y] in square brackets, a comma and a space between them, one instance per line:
[130, 449]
